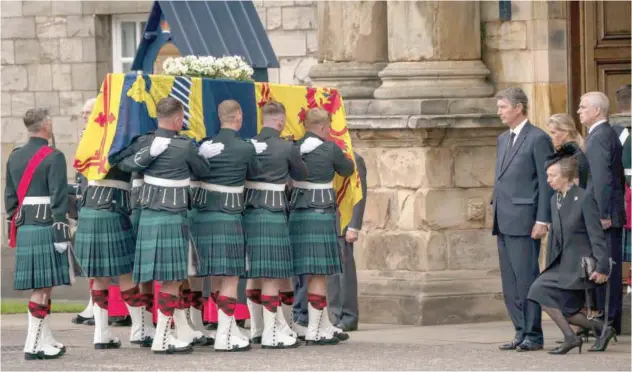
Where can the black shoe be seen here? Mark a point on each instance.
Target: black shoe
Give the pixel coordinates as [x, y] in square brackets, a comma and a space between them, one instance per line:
[510, 346]
[211, 326]
[528, 346]
[568, 346]
[241, 323]
[120, 321]
[601, 344]
[78, 319]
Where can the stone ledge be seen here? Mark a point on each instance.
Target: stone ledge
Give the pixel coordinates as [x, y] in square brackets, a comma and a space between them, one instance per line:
[430, 298]
[420, 106]
[423, 121]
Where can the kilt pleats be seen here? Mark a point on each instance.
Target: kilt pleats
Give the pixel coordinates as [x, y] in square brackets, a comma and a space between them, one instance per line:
[161, 247]
[104, 243]
[314, 242]
[219, 238]
[268, 249]
[37, 263]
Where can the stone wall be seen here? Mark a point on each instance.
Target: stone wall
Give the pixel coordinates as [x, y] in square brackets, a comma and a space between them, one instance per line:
[529, 51]
[291, 27]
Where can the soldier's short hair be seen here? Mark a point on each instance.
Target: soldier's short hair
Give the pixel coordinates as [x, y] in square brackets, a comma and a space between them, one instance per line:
[624, 96]
[227, 110]
[34, 119]
[168, 107]
[317, 116]
[272, 108]
[515, 96]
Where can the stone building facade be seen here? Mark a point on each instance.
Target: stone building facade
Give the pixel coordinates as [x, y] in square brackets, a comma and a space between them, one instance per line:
[418, 80]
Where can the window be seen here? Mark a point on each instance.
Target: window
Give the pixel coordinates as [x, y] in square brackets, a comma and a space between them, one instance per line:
[127, 32]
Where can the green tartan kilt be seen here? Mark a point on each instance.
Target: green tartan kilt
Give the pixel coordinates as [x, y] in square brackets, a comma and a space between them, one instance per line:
[104, 243]
[191, 214]
[37, 263]
[135, 219]
[268, 248]
[219, 239]
[162, 247]
[314, 242]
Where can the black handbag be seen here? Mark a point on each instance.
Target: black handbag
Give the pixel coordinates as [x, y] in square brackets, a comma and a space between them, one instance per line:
[589, 265]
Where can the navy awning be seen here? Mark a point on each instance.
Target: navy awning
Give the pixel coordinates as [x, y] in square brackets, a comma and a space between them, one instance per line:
[207, 28]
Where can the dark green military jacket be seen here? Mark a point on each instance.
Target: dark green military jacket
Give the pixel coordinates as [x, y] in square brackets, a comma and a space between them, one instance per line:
[49, 180]
[322, 164]
[230, 168]
[179, 162]
[281, 159]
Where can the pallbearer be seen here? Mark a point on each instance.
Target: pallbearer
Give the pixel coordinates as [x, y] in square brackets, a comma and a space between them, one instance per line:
[218, 230]
[313, 221]
[36, 203]
[269, 255]
[162, 244]
[105, 241]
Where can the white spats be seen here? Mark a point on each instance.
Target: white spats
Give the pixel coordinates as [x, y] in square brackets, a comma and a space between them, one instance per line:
[35, 348]
[103, 339]
[273, 337]
[164, 341]
[256, 321]
[229, 337]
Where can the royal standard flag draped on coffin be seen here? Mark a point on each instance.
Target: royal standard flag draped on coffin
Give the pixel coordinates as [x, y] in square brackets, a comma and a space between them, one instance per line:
[126, 108]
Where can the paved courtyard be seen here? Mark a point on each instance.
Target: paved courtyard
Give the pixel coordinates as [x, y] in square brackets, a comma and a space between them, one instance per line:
[374, 347]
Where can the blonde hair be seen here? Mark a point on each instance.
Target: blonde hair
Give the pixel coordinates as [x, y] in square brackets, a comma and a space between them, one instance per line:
[227, 110]
[565, 123]
[317, 116]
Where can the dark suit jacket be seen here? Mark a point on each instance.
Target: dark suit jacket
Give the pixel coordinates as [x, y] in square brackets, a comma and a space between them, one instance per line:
[583, 167]
[577, 233]
[607, 184]
[521, 194]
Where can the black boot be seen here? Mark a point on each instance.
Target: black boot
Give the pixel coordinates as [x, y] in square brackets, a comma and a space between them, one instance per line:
[601, 344]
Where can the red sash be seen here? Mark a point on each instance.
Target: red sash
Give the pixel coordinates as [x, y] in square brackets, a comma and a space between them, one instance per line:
[23, 187]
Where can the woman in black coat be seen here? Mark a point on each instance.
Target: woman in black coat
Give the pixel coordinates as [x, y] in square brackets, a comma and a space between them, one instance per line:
[567, 139]
[576, 233]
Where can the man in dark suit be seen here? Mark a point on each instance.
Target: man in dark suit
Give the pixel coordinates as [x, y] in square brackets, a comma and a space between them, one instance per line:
[522, 214]
[343, 289]
[603, 150]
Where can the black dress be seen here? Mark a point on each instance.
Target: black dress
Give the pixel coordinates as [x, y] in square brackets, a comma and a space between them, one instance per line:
[576, 232]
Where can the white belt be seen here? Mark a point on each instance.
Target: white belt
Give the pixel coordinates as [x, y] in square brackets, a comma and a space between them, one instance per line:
[312, 186]
[221, 188]
[163, 182]
[628, 172]
[265, 186]
[35, 200]
[137, 182]
[195, 184]
[110, 183]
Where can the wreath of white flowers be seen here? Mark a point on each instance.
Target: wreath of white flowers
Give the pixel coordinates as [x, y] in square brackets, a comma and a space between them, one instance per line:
[228, 68]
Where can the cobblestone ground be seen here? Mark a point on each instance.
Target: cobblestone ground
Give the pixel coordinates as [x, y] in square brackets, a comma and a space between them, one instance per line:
[373, 347]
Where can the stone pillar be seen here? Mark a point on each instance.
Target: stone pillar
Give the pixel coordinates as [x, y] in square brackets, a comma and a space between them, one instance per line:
[352, 46]
[434, 51]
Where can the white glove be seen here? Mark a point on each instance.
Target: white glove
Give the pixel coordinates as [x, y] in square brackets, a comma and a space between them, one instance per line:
[310, 145]
[61, 247]
[259, 146]
[209, 149]
[159, 146]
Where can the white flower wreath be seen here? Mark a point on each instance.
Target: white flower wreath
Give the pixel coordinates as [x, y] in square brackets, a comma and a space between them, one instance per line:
[230, 68]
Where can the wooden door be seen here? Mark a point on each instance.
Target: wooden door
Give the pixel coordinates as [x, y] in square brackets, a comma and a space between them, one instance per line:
[600, 48]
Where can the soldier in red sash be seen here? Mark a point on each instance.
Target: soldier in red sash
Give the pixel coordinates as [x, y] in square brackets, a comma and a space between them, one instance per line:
[36, 203]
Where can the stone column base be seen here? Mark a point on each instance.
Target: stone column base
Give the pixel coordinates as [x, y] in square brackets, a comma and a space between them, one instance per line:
[354, 80]
[434, 79]
[430, 298]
